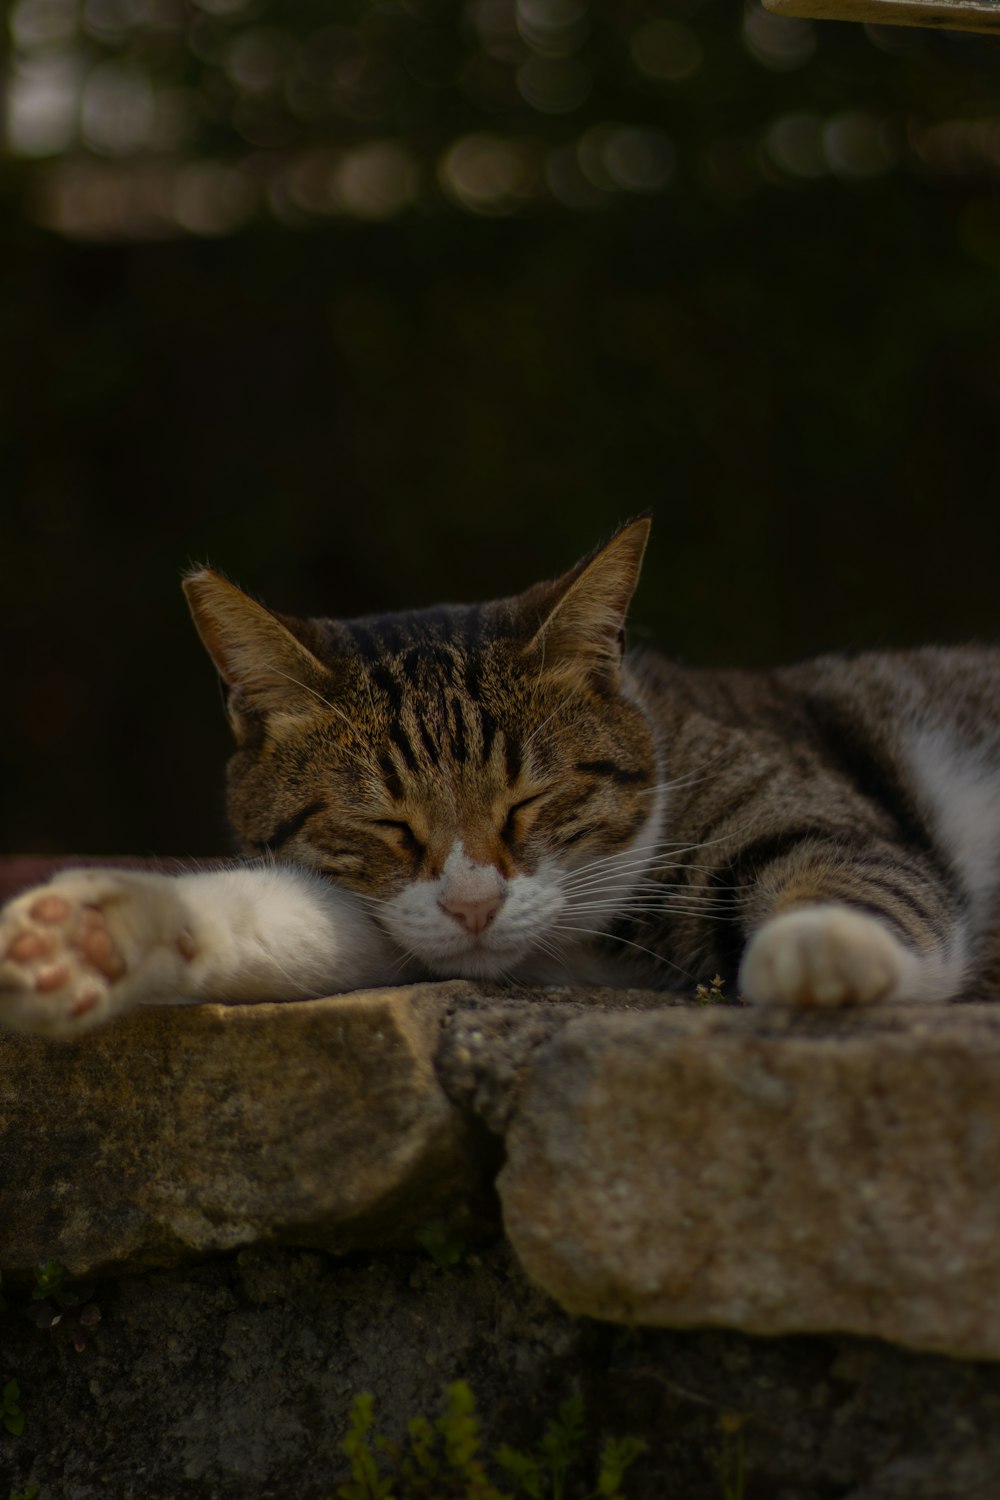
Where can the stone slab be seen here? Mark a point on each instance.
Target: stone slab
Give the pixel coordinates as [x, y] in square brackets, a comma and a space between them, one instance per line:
[776, 1174]
[950, 15]
[667, 1164]
[184, 1131]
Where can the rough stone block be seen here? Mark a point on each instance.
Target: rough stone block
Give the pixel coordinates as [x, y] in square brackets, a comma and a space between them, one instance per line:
[180, 1132]
[799, 1173]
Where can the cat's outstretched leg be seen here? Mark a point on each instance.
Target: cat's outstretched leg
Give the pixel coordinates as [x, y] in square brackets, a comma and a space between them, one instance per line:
[837, 928]
[91, 944]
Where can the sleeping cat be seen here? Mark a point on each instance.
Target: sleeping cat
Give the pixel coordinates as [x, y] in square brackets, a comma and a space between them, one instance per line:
[497, 792]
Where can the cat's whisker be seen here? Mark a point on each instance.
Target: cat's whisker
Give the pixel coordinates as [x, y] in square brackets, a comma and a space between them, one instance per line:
[294, 979]
[372, 902]
[634, 873]
[740, 831]
[556, 953]
[618, 864]
[679, 785]
[353, 754]
[553, 946]
[650, 858]
[654, 911]
[661, 909]
[724, 838]
[634, 868]
[653, 883]
[712, 870]
[617, 938]
[691, 777]
[537, 731]
[541, 671]
[671, 846]
[646, 900]
[406, 956]
[678, 890]
[644, 884]
[662, 867]
[649, 851]
[644, 846]
[365, 897]
[273, 667]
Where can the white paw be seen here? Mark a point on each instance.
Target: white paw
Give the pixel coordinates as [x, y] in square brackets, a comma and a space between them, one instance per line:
[69, 951]
[823, 955]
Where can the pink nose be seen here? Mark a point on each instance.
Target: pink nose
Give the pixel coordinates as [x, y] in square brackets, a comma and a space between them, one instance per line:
[474, 916]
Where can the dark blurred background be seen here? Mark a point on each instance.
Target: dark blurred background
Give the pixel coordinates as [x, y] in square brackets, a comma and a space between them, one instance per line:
[377, 304]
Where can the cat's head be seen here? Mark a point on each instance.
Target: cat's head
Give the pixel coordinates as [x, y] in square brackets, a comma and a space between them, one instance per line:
[477, 773]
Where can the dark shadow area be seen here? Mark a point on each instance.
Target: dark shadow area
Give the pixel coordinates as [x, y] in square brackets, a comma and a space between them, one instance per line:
[378, 305]
[237, 1378]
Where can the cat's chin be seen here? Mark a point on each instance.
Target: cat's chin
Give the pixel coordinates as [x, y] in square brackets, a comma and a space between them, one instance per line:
[475, 963]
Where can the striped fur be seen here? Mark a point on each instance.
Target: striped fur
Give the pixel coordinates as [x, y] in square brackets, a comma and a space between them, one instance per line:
[816, 824]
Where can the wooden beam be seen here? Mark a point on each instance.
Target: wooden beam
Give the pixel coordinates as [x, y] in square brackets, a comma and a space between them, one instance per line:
[952, 15]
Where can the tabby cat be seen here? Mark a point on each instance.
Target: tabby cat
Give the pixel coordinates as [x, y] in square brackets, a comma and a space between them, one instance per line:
[497, 792]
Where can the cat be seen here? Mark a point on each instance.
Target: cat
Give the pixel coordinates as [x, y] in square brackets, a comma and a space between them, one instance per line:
[498, 792]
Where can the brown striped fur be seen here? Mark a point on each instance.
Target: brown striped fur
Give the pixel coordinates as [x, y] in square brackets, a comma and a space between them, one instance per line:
[367, 749]
[463, 721]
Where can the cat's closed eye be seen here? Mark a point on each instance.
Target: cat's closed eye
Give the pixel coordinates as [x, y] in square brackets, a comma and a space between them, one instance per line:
[510, 829]
[407, 838]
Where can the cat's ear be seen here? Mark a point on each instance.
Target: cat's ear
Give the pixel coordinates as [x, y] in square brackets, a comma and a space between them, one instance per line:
[264, 668]
[583, 624]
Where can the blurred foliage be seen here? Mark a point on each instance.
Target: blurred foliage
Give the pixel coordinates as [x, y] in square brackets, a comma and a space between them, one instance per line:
[376, 304]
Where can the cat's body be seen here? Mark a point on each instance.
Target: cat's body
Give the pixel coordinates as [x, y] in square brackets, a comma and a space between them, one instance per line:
[872, 781]
[492, 792]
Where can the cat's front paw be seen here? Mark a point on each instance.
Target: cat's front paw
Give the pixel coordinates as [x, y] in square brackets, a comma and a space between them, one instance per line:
[58, 961]
[71, 950]
[823, 955]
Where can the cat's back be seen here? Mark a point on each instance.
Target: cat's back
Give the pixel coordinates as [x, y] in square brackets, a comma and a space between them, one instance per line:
[908, 690]
[888, 696]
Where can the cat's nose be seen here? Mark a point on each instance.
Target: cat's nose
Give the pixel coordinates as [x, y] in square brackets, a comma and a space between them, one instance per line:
[474, 916]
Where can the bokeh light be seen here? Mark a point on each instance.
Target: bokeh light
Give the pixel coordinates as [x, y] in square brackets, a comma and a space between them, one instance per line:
[777, 42]
[222, 111]
[490, 174]
[794, 143]
[666, 50]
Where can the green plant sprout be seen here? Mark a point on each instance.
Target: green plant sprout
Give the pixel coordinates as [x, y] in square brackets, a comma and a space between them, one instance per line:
[11, 1414]
[49, 1275]
[731, 1463]
[445, 1246]
[443, 1461]
[711, 993]
[52, 1302]
[542, 1475]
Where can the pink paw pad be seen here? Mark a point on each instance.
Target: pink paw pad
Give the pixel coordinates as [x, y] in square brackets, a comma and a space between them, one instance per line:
[31, 945]
[51, 979]
[93, 942]
[62, 941]
[186, 946]
[60, 962]
[50, 909]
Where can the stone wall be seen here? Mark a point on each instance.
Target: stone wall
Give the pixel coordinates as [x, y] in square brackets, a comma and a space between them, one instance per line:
[285, 1205]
